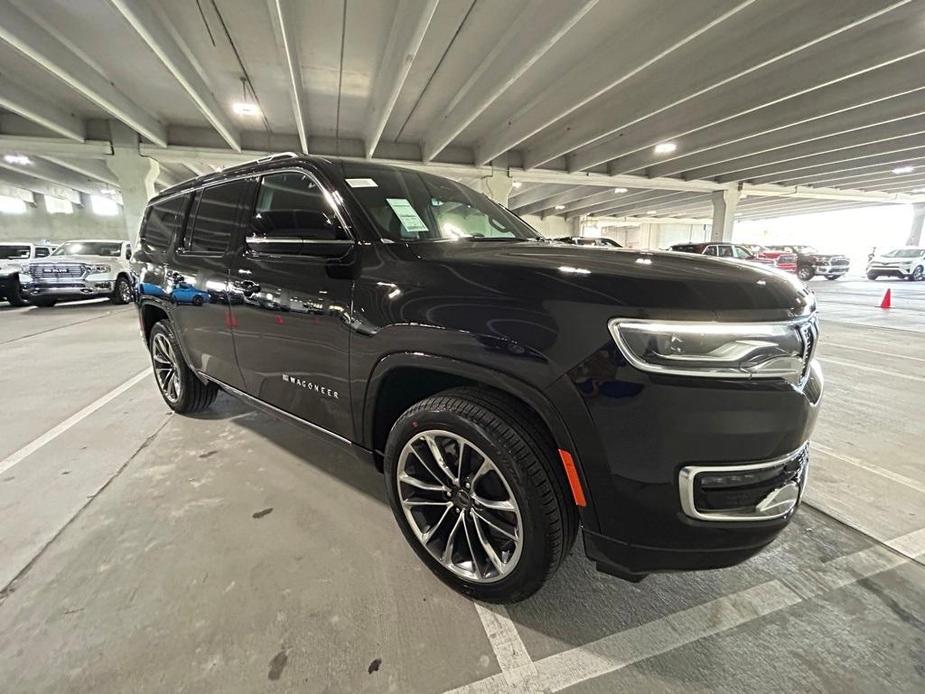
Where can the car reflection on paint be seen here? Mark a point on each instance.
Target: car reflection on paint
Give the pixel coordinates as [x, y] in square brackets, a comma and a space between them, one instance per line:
[182, 293]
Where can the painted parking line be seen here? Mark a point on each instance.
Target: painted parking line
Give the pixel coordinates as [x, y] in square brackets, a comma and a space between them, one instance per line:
[882, 472]
[872, 369]
[71, 421]
[879, 353]
[511, 653]
[617, 651]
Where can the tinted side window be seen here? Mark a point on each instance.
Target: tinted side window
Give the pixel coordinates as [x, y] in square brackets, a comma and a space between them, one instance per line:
[711, 250]
[290, 214]
[162, 223]
[41, 252]
[724, 251]
[216, 215]
[741, 252]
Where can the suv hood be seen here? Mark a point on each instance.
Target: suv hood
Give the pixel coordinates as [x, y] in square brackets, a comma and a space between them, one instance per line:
[88, 259]
[647, 283]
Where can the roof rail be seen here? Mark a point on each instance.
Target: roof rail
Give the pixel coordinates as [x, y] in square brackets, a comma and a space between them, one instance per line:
[274, 157]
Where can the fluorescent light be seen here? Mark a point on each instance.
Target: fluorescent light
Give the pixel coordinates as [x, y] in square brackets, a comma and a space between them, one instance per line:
[17, 159]
[105, 207]
[651, 212]
[918, 190]
[560, 207]
[517, 184]
[12, 205]
[618, 191]
[903, 169]
[665, 147]
[109, 191]
[57, 205]
[245, 108]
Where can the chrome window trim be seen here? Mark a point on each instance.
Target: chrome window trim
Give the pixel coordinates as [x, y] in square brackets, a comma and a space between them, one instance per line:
[628, 354]
[688, 475]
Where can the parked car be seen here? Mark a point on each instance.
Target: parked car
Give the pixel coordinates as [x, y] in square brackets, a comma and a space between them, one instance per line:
[811, 262]
[13, 255]
[782, 260]
[80, 270]
[722, 250]
[907, 263]
[511, 390]
[589, 241]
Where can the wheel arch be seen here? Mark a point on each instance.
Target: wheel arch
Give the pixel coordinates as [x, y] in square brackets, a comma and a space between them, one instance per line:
[150, 312]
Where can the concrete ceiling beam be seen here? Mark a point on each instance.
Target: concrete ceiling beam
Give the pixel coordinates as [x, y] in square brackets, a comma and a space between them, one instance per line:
[34, 108]
[282, 18]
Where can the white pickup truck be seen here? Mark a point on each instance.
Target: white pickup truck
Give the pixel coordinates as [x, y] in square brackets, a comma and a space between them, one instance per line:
[80, 270]
[13, 255]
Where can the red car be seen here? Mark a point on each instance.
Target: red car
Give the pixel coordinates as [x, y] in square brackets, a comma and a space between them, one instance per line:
[782, 260]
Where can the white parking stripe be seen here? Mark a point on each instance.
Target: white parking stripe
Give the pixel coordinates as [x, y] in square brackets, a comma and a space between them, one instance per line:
[71, 421]
[513, 659]
[882, 472]
[617, 651]
[862, 367]
[878, 352]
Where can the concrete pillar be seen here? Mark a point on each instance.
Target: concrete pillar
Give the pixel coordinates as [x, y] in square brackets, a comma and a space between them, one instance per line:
[918, 217]
[574, 226]
[136, 175]
[724, 209]
[497, 186]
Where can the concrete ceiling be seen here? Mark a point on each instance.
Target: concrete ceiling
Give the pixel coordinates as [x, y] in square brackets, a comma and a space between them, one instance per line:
[804, 104]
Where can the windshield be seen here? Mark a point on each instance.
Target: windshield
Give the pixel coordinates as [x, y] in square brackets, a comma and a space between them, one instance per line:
[110, 249]
[905, 253]
[411, 206]
[14, 252]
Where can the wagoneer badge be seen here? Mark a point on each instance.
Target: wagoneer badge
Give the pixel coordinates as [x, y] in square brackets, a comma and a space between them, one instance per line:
[308, 385]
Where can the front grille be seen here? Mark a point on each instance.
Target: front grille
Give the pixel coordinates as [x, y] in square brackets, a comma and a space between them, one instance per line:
[54, 273]
[58, 285]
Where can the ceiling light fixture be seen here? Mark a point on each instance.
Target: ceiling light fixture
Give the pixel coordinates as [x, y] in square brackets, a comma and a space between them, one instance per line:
[665, 147]
[516, 184]
[651, 212]
[245, 107]
[618, 191]
[917, 191]
[17, 159]
[560, 207]
[903, 169]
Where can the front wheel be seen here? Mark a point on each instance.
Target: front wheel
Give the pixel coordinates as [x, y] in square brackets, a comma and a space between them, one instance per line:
[181, 389]
[16, 296]
[43, 301]
[121, 292]
[832, 277]
[872, 275]
[918, 274]
[472, 482]
[806, 272]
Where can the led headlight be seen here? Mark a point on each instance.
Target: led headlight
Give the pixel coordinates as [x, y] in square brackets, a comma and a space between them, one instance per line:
[100, 268]
[719, 350]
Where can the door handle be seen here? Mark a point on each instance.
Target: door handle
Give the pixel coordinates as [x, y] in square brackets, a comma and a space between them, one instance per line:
[247, 287]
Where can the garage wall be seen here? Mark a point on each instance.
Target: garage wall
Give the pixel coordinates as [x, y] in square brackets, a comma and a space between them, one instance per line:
[37, 225]
[551, 227]
[655, 236]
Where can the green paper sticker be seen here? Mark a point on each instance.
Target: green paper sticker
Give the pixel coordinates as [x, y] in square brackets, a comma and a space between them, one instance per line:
[406, 214]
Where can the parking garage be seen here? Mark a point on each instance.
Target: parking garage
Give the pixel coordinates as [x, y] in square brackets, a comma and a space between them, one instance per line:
[245, 548]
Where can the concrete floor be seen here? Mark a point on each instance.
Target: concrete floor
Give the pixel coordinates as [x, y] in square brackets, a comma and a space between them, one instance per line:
[147, 552]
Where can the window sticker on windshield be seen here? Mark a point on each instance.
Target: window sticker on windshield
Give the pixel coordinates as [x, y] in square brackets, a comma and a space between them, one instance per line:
[406, 215]
[361, 183]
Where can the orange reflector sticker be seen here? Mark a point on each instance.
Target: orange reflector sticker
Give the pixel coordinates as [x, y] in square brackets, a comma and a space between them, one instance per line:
[572, 474]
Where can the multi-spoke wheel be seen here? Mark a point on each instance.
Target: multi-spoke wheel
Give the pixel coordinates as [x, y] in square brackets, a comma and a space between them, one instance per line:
[179, 386]
[121, 292]
[459, 505]
[472, 483]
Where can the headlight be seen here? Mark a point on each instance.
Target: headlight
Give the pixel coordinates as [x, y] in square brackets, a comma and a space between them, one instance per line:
[719, 350]
[100, 268]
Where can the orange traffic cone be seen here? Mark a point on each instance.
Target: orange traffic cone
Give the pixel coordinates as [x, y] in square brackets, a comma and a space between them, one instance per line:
[886, 300]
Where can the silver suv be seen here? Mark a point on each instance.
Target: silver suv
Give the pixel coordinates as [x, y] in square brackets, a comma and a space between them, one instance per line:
[907, 263]
[13, 255]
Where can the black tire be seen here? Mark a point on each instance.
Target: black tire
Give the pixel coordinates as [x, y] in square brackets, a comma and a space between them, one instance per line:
[832, 277]
[43, 301]
[806, 272]
[193, 395]
[16, 296]
[918, 274]
[872, 275]
[526, 456]
[121, 291]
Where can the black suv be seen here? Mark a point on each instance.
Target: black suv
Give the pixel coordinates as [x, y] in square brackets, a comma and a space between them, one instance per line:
[511, 389]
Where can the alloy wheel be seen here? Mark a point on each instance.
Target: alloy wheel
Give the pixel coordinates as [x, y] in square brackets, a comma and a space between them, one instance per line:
[459, 506]
[125, 292]
[166, 367]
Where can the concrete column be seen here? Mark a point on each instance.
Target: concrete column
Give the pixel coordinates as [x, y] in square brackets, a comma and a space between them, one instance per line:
[918, 217]
[574, 226]
[724, 209]
[497, 186]
[136, 175]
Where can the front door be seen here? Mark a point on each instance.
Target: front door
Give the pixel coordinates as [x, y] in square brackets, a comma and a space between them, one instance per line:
[293, 286]
[196, 281]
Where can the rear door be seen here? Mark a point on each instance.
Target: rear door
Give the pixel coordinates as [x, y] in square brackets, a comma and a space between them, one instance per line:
[293, 284]
[197, 280]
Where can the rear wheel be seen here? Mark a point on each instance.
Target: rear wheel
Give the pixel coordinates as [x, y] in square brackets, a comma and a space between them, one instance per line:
[473, 485]
[43, 301]
[181, 389]
[832, 277]
[121, 292]
[16, 296]
[806, 272]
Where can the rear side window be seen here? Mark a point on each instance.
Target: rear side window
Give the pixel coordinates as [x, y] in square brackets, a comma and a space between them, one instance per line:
[216, 216]
[163, 221]
[42, 252]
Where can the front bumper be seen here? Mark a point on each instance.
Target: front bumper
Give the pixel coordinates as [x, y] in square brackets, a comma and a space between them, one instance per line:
[645, 431]
[71, 287]
[826, 269]
[894, 270]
